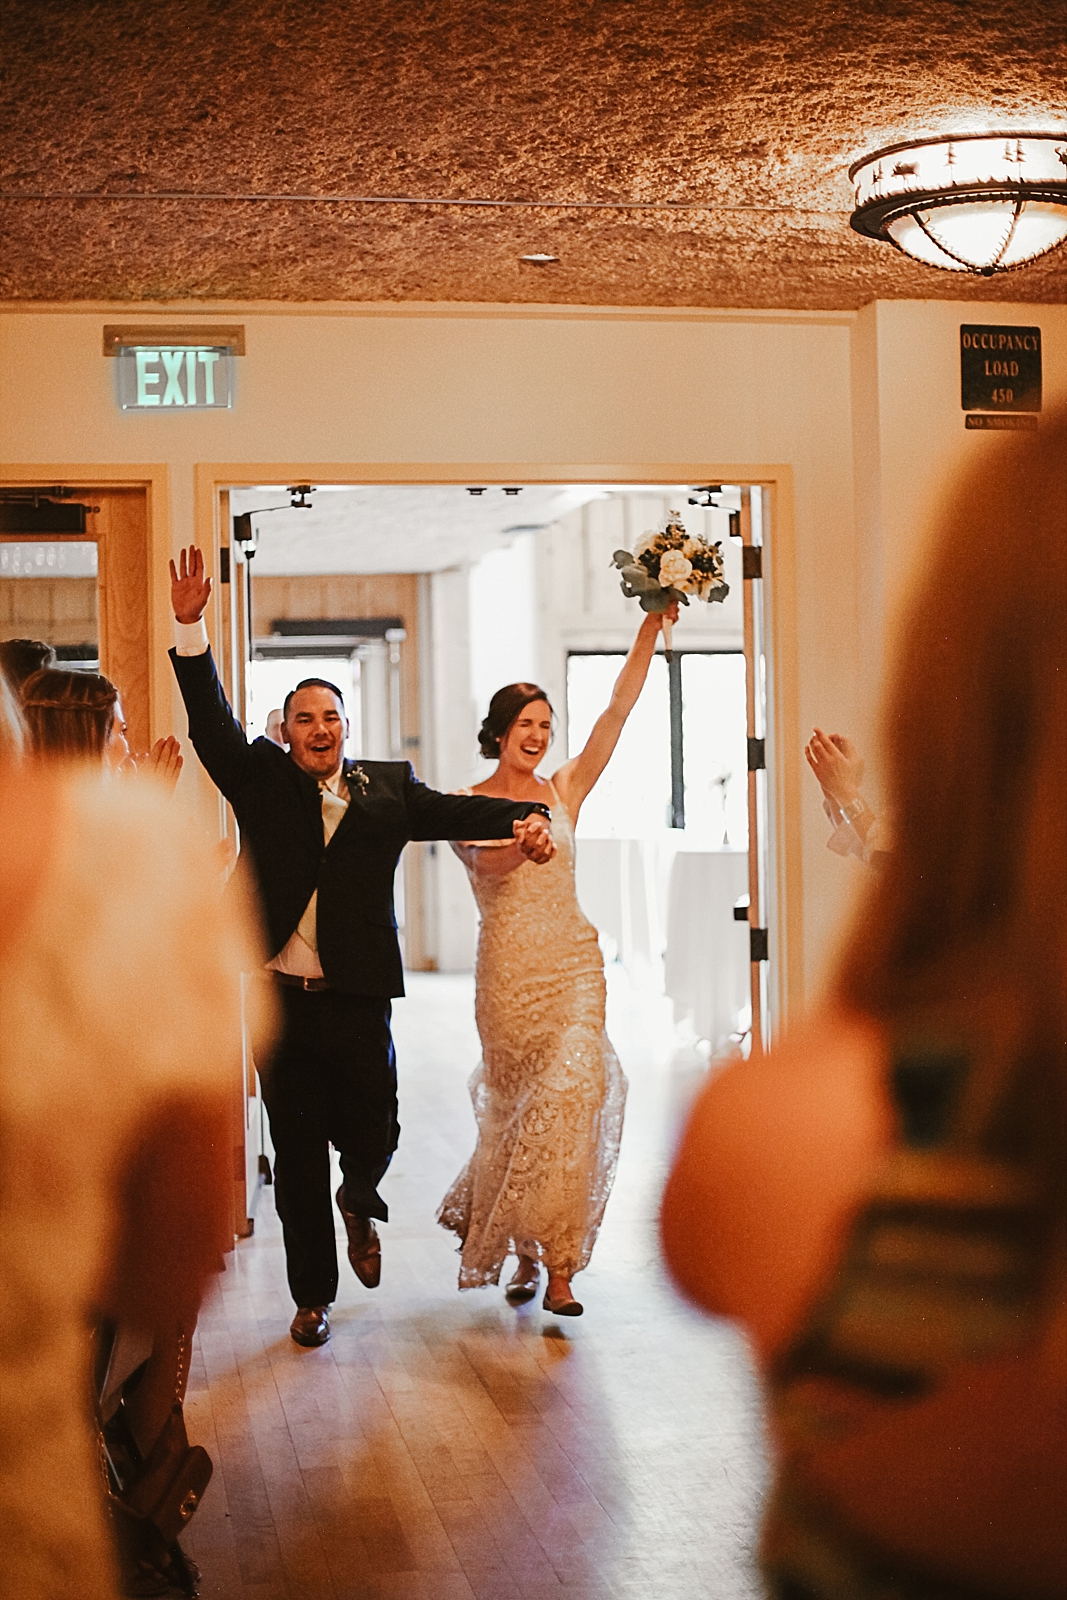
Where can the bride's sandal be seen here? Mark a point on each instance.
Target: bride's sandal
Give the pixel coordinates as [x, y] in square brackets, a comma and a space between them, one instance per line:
[523, 1286]
[562, 1305]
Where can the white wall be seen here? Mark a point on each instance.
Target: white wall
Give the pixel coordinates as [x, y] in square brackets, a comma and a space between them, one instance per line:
[505, 644]
[863, 411]
[911, 446]
[448, 727]
[582, 606]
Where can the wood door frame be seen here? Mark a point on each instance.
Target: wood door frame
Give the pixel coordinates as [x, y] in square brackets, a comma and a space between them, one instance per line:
[127, 652]
[784, 745]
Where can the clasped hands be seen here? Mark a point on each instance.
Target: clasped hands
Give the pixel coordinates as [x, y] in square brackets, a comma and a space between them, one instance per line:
[534, 838]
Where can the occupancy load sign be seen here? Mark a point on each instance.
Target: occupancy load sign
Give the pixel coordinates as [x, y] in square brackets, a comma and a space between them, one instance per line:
[1000, 368]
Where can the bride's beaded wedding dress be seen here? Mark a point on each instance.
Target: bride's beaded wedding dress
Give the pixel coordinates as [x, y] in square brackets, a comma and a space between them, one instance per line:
[549, 1092]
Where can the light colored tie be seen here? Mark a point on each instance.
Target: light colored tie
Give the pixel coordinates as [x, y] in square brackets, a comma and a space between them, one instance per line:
[333, 809]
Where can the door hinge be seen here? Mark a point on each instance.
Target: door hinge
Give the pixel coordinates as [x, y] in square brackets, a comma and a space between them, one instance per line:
[735, 524]
[752, 561]
[757, 944]
[757, 755]
[741, 909]
[224, 564]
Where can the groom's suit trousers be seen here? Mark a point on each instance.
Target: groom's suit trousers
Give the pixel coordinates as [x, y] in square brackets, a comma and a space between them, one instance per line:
[331, 1080]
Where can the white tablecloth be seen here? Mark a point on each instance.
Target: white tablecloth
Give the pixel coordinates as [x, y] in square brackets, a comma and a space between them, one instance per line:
[707, 965]
[622, 888]
[656, 901]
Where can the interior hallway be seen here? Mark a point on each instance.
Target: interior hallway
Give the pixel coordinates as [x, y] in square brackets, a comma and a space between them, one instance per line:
[447, 1447]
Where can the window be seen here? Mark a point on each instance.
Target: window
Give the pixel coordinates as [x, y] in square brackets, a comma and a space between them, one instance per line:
[633, 798]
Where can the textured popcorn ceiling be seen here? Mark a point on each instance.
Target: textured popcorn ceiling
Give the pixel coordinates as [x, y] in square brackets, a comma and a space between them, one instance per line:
[756, 107]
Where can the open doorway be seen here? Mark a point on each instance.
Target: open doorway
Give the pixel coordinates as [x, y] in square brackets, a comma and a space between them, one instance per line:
[420, 600]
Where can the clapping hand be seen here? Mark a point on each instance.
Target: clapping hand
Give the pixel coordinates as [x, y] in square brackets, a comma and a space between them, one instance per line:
[534, 838]
[163, 762]
[837, 764]
[190, 589]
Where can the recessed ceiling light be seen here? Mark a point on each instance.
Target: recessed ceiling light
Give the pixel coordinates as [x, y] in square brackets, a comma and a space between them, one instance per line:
[539, 260]
[982, 203]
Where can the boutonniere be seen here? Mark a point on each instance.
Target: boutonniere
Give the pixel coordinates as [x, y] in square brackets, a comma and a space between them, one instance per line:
[360, 779]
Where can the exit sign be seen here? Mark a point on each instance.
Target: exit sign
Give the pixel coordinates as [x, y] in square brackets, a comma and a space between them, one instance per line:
[175, 378]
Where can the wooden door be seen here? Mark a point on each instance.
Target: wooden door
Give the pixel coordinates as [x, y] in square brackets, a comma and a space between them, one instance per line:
[73, 611]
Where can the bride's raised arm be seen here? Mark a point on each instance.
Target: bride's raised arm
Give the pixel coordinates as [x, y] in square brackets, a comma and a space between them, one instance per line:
[578, 775]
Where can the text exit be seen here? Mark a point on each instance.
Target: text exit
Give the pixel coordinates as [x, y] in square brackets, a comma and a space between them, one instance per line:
[186, 379]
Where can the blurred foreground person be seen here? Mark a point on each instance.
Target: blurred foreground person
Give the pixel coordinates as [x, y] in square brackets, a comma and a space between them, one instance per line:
[12, 725]
[119, 1047]
[78, 716]
[883, 1201]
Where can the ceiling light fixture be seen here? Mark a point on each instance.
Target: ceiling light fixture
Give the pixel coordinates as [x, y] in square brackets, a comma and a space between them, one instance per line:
[539, 260]
[974, 202]
[709, 491]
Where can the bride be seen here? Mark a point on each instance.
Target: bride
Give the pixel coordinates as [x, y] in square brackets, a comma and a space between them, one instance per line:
[549, 1092]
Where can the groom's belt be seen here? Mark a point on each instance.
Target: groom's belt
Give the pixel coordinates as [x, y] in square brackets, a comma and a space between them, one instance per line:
[291, 981]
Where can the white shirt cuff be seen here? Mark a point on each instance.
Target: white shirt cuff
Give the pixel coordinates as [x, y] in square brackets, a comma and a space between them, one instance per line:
[190, 638]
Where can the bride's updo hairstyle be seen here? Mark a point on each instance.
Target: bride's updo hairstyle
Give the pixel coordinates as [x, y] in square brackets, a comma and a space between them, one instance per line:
[504, 707]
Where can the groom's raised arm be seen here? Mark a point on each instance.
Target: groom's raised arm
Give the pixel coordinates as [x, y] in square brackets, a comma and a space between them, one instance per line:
[432, 815]
[215, 733]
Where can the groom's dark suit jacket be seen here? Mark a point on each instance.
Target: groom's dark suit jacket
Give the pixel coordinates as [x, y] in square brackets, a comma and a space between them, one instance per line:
[279, 810]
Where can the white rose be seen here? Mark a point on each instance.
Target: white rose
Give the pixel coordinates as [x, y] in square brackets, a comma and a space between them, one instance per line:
[674, 569]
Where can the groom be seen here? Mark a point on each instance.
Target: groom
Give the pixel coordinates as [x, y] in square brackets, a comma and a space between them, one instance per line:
[323, 836]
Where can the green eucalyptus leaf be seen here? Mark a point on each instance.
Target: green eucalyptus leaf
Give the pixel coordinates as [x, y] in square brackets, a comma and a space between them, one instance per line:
[634, 572]
[622, 558]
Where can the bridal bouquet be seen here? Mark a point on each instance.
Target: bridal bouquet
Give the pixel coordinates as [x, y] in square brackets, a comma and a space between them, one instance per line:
[671, 564]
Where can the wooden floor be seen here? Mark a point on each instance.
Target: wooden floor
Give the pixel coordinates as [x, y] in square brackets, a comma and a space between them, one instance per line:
[445, 1447]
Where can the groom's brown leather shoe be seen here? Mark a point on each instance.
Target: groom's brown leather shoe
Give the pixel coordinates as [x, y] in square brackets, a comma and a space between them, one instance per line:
[364, 1246]
[311, 1325]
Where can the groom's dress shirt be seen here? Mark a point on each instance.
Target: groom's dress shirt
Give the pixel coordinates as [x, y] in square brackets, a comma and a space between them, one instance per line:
[324, 857]
[300, 957]
[190, 638]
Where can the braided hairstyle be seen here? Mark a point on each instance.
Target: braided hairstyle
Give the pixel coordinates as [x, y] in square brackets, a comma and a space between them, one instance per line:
[69, 714]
